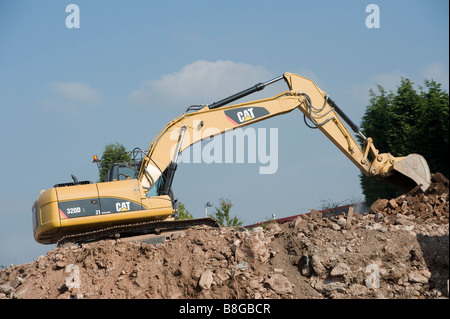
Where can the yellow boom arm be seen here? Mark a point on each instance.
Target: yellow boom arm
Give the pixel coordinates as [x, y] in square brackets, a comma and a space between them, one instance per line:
[202, 122]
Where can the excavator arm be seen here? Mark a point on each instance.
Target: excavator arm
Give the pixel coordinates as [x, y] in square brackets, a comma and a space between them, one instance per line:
[202, 122]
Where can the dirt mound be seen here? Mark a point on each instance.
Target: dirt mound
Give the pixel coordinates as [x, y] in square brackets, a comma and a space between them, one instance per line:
[399, 249]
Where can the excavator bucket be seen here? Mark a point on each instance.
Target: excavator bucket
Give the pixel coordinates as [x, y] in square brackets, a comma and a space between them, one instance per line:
[410, 172]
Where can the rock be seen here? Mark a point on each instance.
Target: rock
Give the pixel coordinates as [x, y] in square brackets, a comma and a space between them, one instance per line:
[439, 184]
[256, 248]
[335, 286]
[377, 226]
[196, 273]
[254, 284]
[420, 277]
[6, 289]
[378, 206]
[235, 245]
[415, 254]
[221, 277]
[60, 264]
[206, 279]
[218, 256]
[329, 285]
[403, 221]
[280, 284]
[334, 226]
[317, 266]
[358, 290]
[439, 178]
[278, 270]
[197, 251]
[274, 228]
[342, 222]
[393, 203]
[404, 208]
[16, 282]
[340, 269]
[316, 215]
[179, 234]
[299, 221]
[198, 241]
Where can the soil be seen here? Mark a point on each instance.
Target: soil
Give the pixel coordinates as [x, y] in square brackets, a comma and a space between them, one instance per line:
[399, 249]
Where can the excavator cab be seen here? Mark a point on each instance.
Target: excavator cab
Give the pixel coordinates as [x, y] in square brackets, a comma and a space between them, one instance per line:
[122, 171]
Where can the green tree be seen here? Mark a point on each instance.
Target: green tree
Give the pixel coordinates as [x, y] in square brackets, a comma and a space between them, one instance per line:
[183, 213]
[113, 153]
[222, 214]
[432, 129]
[407, 121]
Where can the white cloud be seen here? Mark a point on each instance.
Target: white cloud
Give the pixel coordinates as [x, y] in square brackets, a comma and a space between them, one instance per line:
[437, 71]
[76, 91]
[389, 81]
[199, 82]
[69, 97]
[57, 104]
[359, 93]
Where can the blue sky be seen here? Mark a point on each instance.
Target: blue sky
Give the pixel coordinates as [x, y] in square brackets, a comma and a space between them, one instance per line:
[133, 66]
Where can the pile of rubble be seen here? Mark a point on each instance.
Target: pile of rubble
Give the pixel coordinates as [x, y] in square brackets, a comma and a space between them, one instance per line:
[200, 262]
[433, 205]
[399, 249]
[371, 259]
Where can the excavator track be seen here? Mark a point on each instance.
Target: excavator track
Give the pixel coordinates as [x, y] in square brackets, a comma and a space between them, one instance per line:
[134, 229]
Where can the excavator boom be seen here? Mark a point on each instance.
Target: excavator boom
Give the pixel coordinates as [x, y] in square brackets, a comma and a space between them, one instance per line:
[202, 122]
[73, 211]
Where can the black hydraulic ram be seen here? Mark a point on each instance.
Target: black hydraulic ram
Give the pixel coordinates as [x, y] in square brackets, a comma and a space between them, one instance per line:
[260, 86]
[237, 96]
[344, 116]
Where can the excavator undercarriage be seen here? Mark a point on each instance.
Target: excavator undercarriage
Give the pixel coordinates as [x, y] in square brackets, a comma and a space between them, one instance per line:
[155, 228]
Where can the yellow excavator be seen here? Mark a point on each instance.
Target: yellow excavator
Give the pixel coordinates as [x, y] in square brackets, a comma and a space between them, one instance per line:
[84, 211]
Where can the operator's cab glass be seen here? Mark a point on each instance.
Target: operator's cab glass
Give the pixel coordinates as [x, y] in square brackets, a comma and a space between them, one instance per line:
[123, 171]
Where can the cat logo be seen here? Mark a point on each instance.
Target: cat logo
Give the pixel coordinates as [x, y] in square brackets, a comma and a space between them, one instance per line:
[245, 114]
[123, 206]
